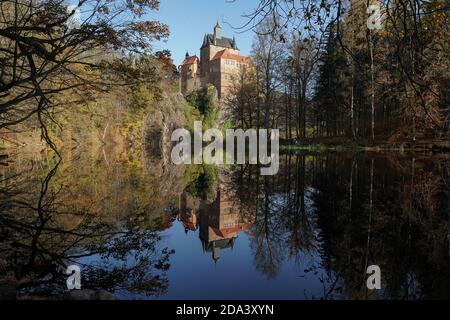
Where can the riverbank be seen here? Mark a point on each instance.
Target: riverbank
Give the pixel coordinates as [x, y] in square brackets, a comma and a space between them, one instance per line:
[344, 144]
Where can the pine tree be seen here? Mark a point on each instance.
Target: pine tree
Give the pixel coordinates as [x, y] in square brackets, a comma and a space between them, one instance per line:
[330, 88]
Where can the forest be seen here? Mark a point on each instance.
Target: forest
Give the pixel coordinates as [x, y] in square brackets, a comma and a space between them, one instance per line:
[71, 80]
[322, 75]
[88, 102]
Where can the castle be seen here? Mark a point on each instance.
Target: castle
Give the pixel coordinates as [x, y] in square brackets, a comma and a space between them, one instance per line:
[220, 64]
[218, 222]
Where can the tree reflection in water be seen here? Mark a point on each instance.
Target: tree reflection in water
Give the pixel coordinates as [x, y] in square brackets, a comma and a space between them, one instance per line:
[331, 215]
[70, 216]
[354, 211]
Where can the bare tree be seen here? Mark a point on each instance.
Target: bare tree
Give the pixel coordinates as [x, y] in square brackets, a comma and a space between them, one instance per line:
[47, 48]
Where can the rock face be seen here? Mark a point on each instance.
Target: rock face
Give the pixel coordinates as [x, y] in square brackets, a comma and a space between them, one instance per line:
[157, 146]
[159, 125]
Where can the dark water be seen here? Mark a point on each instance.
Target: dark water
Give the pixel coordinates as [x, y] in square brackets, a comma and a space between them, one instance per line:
[143, 229]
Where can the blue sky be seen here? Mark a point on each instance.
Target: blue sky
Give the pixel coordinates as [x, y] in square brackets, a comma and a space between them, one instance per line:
[189, 20]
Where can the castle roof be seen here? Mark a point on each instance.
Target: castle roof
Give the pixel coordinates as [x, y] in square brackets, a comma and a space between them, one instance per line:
[225, 54]
[227, 232]
[190, 60]
[223, 42]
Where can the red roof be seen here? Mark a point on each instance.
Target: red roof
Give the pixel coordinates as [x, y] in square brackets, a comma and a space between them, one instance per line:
[190, 60]
[224, 233]
[226, 54]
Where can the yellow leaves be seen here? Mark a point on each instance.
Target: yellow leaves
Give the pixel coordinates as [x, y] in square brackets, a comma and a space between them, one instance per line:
[141, 98]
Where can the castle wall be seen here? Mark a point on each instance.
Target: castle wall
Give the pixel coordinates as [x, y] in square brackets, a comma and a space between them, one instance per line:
[204, 62]
[231, 73]
[189, 79]
[214, 76]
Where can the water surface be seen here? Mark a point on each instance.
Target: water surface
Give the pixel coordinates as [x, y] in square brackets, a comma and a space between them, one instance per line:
[144, 229]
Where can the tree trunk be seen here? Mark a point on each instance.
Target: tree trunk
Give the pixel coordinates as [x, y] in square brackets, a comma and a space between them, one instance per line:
[372, 95]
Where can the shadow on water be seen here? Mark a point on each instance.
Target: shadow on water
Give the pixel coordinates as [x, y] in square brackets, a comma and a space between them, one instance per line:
[308, 232]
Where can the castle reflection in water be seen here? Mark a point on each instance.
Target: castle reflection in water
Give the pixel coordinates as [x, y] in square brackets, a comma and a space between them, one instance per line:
[219, 222]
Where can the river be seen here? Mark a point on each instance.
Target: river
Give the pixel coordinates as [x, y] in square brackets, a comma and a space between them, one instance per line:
[141, 228]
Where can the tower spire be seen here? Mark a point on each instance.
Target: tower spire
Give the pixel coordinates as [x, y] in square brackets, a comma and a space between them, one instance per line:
[217, 31]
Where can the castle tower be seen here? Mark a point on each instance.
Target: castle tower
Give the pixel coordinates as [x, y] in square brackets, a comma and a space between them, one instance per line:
[217, 32]
[220, 63]
[189, 74]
